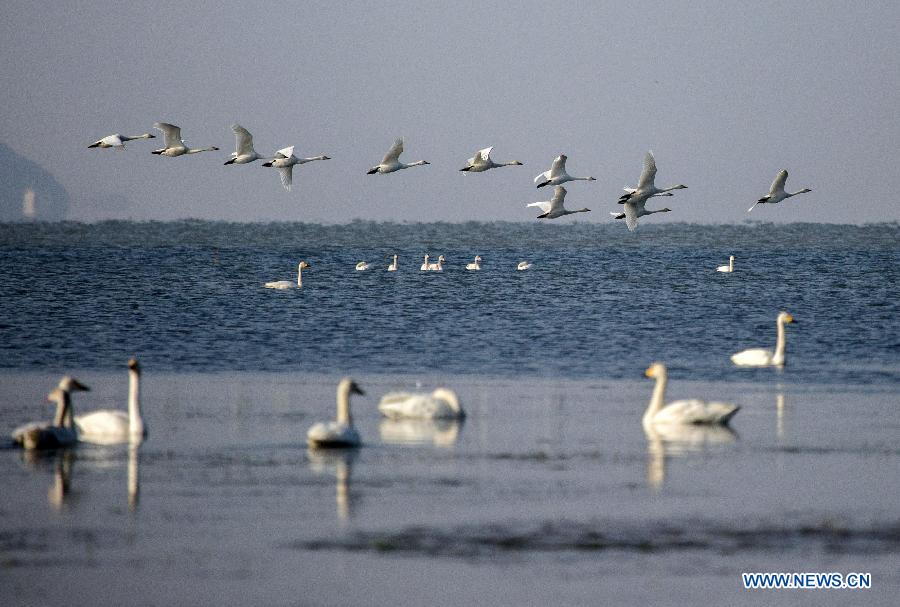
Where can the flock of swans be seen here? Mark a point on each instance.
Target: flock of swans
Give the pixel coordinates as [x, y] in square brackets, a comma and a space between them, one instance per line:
[107, 427]
[634, 200]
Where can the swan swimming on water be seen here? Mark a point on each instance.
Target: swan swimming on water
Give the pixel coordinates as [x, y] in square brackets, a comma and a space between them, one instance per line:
[557, 174]
[174, 144]
[776, 192]
[633, 210]
[729, 267]
[58, 433]
[393, 266]
[646, 187]
[110, 426]
[760, 357]
[339, 433]
[554, 208]
[391, 161]
[117, 140]
[243, 147]
[523, 265]
[475, 265]
[285, 160]
[362, 266]
[481, 162]
[442, 403]
[289, 284]
[424, 267]
[691, 411]
[439, 266]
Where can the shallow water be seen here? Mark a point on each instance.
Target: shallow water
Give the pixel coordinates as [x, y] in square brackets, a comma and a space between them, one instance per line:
[550, 492]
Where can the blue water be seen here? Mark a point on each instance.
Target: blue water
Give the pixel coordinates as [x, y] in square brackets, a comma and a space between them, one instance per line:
[598, 302]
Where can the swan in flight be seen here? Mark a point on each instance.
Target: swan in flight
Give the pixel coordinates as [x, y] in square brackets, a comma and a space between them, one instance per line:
[439, 266]
[481, 162]
[442, 403]
[691, 411]
[554, 208]
[776, 192]
[523, 265]
[475, 265]
[424, 267]
[391, 161]
[106, 427]
[243, 147]
[289, 284]
[285, 160]
[557, 174]
[363, 266]
[60, 432]
[646, 188]
[393, 266]
[760, 357]
[174, 144]
[729, 267]
[339, 433]
[633, 210]
[118, 141]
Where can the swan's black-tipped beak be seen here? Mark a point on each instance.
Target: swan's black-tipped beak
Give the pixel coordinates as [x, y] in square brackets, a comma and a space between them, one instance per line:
[357, 390]
[157, 151]
[372, 171]
[229, 161]
[265, 164]
[94, 145]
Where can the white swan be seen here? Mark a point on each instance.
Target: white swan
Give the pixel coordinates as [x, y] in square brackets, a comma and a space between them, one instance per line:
[557, 174]
[475, 265]
[117, 140]
[481, 162]
[523, 265]
[646, 188]
[424, 267]
[393, 266]
[636, 209]
[776, 192]
[729, 267]
[439, 266]
[691, 411]
[174, 144]
[339, 433]
[442, 403]
[243, 147]
[289, 284]
[760, 357]
[361, 266]
[106, 427]
[391, 161]
[285, 160]
[63, 416]
[554, 208]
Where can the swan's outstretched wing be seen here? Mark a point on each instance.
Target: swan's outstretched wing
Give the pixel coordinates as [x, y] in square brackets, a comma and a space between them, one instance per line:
[778, 184]
[631, 216]
[484, 155]
[545, 176]
[243, 140]
[393, 154]
[544, 205]
[559, 165]
[559, 197]
[171, 134]
[287, 176]
[285, 152]
[648, 175]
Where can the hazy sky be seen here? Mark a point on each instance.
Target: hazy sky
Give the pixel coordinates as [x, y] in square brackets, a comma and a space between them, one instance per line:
[724, 93]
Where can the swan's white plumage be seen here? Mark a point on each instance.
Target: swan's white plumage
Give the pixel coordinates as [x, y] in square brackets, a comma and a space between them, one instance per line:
[173, 143]
[777, 192]
[285, 160]
[760, 357]
[554, 207]
[475, 265]
[690, 411]
[243, 147]
[482, 161]
[58, 433]
[635, 209]
[439, 266]
[646, 186]
[391, 161]
[362, 265]
[729, 267]
[110, 426]
[523, 265]
[442, 403]
[393, 266]
[339, 433]
[117, 140]
[289, 284]
[557, 174]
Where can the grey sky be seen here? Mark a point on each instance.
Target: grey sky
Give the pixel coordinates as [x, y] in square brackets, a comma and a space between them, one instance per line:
[724, 93]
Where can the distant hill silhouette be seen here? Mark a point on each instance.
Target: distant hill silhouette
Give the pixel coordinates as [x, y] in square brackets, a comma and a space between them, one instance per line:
[27, 191]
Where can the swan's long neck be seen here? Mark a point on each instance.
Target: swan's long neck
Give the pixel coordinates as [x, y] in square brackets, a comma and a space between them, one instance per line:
[731, 263]
[62, 408]
[778, 358]
[413, 164]
[580, 211]
[135, 421]
[674, 187]
[803, 191]
[198, 150]
[657, 211]
[343, 405]
[583, 179]
[656, 400]
[144, 136]
[300, 276]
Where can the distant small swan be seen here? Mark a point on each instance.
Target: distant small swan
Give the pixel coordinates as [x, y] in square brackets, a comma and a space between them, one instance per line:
[118, 141]
[646, 187]
[393, 266]
[288, 284]
[475, 265]
[633, 210]
[391, 161]
[105, 427]
[523, 265]
[58, 433]
[776, 192]
[557, 174]
[692, 411]
[439, 266]
[729, 267]
[442, 403]
[760, 357]
[174, 144]
[243, 147]
[285, 160]
[339, 433]
[554, 208]
[424, 267]
[362, 266]
[481, 162]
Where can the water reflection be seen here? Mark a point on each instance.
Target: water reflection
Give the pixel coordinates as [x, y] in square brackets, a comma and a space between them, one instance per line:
[779, 415]
[665, 440]
[340, 463]
[439, 432]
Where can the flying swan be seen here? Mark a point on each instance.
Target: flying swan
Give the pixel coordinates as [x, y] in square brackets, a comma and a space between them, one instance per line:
[285, 160]
[646, 188]
[289, 284]
[554, 208]
[107, 427]
[339, 433]
[691, 411]
[633, 210]
[776, 192]
[174, 144]
[117, 140]
[760, 357]
[481, 162]
[243, 147]
[442, 403]
[391, 161]
[557, 174]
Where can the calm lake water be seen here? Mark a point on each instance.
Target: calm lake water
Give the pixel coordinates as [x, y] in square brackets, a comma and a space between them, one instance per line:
[550, 492]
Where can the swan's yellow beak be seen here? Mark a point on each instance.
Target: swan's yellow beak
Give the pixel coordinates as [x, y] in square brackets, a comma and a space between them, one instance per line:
[789, 318]
[649, 372]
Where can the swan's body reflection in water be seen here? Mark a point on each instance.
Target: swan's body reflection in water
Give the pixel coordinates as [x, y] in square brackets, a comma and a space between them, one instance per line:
[439, 432]
[779, 415]
[666, 440]
[340, 463]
